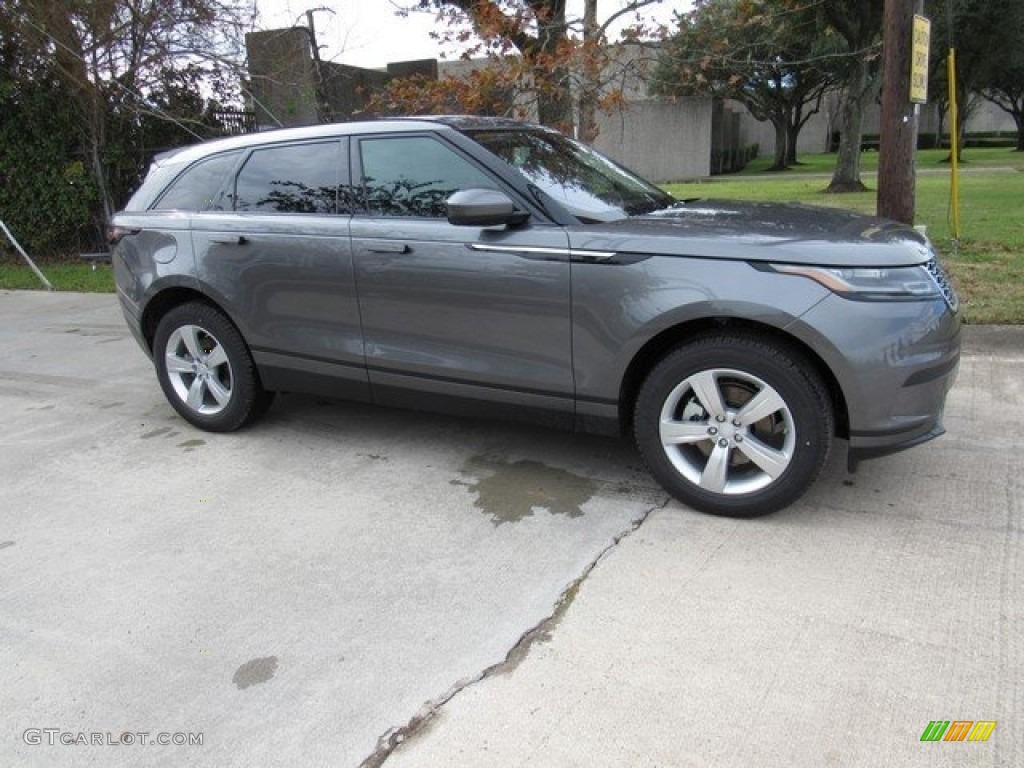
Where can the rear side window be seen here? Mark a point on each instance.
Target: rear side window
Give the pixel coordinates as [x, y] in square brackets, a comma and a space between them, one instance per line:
[296, 178]
[415, 176]
[194, 190]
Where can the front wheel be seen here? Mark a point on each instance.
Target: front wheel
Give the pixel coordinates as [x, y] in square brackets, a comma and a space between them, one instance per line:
[734, 425]
[205, 369]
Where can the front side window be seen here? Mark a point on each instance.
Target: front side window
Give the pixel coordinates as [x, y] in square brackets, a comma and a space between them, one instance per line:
[194, 190]
[296, 178]
[415, 176]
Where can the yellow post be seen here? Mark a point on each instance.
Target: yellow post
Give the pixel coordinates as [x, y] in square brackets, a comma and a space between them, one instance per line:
[954, 147]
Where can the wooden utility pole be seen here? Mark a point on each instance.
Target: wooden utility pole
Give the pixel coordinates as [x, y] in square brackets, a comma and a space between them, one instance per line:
[898, 140]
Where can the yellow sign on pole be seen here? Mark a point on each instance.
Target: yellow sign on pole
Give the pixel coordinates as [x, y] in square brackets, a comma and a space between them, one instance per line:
[919, 60]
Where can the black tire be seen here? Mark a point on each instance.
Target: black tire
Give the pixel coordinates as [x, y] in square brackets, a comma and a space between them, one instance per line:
[205, 369]
[717, 458]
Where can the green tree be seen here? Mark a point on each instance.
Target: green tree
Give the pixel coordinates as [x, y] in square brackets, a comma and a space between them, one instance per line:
[47, 193]
[116, 59]
[89, 91]
[1001, 75]
[859, 23]
[972, 27]
[771, 55]
[1004, 87]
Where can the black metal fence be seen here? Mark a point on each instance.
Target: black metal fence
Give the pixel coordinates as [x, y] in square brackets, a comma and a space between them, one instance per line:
[236, 121]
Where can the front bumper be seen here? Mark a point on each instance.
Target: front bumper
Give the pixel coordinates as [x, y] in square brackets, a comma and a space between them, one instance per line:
[864, 447]
[895, 363]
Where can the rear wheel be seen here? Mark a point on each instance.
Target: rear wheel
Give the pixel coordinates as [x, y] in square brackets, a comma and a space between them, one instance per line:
[734, 425]
[205, 369]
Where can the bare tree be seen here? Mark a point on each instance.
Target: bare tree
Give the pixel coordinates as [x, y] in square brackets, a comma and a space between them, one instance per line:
[119, 53]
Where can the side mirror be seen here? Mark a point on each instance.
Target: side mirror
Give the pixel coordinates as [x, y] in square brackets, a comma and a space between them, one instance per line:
[483, 208]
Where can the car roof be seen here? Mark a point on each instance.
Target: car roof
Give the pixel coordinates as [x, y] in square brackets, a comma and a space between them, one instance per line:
[460, 123]
[476, 122]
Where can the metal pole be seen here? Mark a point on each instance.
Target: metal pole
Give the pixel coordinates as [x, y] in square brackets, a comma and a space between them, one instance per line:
[954, 152]
[24, 255]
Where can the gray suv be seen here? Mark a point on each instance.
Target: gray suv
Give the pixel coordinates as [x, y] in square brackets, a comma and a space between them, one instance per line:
[492, 267]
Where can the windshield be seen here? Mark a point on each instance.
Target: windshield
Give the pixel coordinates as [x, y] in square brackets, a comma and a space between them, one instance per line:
[590, 185]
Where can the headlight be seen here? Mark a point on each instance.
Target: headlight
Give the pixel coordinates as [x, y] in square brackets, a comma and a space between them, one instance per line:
[870, 283]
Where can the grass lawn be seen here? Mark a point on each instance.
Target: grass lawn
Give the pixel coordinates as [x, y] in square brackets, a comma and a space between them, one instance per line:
[987, 267]
[64, 275]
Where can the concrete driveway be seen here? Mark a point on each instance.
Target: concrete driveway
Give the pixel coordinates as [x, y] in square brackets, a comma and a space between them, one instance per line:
[345, 586]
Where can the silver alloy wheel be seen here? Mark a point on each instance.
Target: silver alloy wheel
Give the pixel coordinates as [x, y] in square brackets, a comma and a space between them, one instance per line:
[198, 369]
[727, 431]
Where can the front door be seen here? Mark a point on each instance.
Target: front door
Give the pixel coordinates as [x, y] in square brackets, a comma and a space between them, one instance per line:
[481, 313]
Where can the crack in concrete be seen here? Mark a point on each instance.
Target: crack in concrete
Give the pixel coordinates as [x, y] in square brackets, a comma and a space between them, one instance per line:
[541, 632]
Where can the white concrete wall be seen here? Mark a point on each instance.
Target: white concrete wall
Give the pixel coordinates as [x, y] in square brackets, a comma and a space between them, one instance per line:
[815, 135]
[660, 140]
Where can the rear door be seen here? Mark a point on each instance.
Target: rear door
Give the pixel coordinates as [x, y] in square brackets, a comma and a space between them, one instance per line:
[277, 254]
[478, 313]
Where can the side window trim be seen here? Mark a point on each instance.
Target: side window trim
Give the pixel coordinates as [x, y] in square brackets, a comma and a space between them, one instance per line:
[355, 166]
[346, 200]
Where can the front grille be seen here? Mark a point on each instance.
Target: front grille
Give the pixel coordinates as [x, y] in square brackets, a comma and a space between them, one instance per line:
[939, 276]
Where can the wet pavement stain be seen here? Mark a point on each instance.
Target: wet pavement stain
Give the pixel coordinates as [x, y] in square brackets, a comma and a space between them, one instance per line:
[255, 672]
[189, 445]
[156, 433]
[510, 491]
[6, 544]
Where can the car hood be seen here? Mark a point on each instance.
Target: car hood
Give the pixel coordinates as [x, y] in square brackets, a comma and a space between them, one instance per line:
[750, 231]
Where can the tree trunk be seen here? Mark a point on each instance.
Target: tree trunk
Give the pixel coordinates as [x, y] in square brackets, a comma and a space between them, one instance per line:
[940, 122]
[781, 143]
[586, 128]
[554, 104]
[1018, 118]
[550, 74]
[792, 136]
[794, 122]
[846, 177]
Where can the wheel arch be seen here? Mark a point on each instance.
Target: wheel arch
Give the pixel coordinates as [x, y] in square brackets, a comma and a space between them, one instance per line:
[166, 300]
[648, 356]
